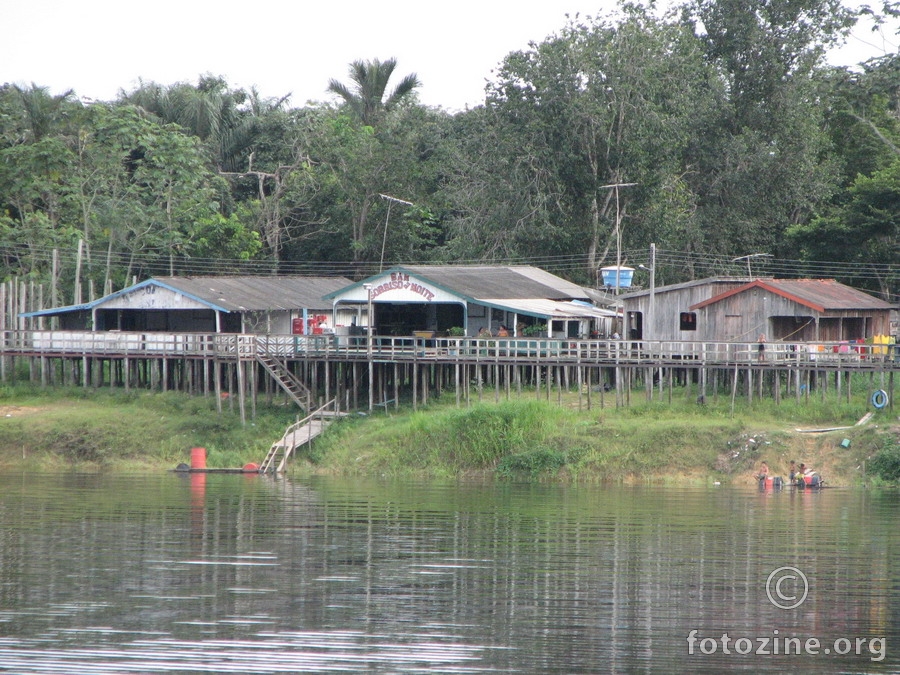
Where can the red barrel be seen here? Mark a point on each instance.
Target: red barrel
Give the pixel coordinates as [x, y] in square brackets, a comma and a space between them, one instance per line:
[198, 458]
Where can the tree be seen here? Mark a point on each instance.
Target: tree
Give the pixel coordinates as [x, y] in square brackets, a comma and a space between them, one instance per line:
[366, 97]
[226, 120]
[603, 103]
[864, 231]
[40, 112]
[762, 162]
[862, 114]
[762, 47]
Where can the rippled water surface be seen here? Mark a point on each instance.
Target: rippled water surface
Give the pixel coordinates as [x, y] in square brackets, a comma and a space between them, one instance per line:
[227, 573]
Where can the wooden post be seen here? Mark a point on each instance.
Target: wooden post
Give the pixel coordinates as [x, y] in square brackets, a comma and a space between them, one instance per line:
[890, 391]
[254, 388]
[619, 375]
[241, 390]
[579, 375]
[217, 384]
[734, 389]
[590, 384]
[396, 388]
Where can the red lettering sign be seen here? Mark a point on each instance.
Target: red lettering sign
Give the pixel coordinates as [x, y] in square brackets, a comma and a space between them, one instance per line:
[400, 281]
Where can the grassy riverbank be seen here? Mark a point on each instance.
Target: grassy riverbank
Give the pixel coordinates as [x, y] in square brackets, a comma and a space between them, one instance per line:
[524, 438]
[62, 429]
[658, 441]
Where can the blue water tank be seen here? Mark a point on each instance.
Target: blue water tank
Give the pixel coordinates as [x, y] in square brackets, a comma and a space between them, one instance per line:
[609, 276]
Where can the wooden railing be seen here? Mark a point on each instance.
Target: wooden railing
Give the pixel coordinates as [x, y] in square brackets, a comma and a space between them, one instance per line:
[516, 350]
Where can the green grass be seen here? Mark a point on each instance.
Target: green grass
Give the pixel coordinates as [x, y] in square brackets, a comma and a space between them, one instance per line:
[56, 428]
[536, 440]
[519, 439]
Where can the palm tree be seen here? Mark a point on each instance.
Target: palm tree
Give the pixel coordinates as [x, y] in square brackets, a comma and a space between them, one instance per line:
[370, 80]
[211, 111]
[41, 111]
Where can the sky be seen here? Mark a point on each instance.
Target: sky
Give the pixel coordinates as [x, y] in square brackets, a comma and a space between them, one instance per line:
[99, 47]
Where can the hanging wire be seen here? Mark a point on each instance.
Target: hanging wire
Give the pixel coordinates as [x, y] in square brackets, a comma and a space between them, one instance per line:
[156, 262]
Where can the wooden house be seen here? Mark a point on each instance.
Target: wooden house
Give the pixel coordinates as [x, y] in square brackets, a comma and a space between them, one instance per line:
[728, 309]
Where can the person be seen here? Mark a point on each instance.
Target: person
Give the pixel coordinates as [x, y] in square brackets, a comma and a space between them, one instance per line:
[763, 471]
[762, 346]
[485, 332]
[616, 336]
[503, 331]
[792, 471]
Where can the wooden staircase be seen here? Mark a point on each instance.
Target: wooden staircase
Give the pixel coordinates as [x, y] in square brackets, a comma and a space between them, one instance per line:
[286, 380]
[298, 434]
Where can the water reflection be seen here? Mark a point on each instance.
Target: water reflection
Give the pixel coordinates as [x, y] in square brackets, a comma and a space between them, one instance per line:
[245, 574]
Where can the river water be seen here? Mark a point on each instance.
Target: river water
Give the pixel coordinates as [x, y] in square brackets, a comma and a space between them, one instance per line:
[226, 573]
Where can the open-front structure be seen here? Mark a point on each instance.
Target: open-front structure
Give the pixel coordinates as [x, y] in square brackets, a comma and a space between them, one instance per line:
[471, 300]
[219, 304]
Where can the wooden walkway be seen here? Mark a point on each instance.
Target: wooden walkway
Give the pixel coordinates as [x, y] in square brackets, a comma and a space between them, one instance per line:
[301, 433]
[520, 351]
[240, 367]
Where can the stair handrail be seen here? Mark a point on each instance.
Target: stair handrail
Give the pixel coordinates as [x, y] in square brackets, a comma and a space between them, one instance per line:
[268, 462]
[282, 373]
[283, 367]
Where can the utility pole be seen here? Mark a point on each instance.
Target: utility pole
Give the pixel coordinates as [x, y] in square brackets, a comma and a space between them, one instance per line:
[748, 258]
[369, 318]
[390, 200]
[651, 310]
[616, 187]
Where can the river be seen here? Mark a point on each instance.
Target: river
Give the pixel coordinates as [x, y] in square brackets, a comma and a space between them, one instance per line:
[226, 573]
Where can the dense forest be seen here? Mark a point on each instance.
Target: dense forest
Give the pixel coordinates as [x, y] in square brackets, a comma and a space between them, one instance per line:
[715, 131]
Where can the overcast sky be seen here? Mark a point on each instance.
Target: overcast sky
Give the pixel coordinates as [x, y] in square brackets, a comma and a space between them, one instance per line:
[98, 47]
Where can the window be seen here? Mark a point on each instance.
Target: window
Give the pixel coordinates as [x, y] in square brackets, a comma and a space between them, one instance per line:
[688, 321]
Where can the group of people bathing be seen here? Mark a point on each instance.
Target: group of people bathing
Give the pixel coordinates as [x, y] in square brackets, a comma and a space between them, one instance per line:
[797, 475]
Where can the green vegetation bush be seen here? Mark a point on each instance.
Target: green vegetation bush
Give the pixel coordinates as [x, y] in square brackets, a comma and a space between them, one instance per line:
[886, 462]
[478, 437]
[531, 463]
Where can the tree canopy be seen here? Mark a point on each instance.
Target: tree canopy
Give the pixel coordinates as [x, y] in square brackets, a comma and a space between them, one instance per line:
[713, 131]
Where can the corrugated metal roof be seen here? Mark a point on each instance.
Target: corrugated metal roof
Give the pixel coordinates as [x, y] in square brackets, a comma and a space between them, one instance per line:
[819, 294]
[490, 281]
[708, 281]
[550, 309]
[249, 293]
